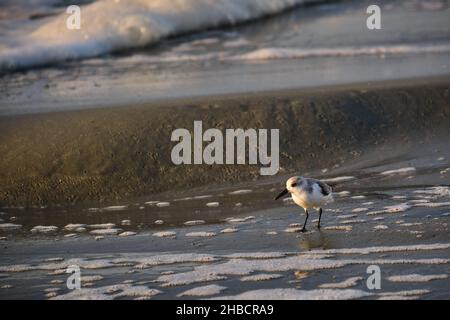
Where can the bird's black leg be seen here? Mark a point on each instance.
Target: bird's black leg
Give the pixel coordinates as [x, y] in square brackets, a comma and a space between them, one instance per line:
[304, 225]
[320, 216]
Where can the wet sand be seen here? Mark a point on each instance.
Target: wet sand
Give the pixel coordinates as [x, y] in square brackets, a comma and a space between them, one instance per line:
[402, 229]
[393, 213]
[384, 148]
[114, 154]
[86, 177]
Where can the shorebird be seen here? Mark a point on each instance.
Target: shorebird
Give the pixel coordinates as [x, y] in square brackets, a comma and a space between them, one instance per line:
[308, 193]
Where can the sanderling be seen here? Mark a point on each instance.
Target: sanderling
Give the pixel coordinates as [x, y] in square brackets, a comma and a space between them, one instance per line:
[308, 193]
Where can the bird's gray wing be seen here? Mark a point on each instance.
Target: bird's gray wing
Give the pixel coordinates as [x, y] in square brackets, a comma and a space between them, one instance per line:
[326, 189]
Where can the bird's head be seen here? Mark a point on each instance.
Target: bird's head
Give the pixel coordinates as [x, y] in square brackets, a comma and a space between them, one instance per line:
[291, 184]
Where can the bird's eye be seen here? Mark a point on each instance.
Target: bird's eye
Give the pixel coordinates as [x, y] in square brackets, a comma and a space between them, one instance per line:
[293, 185]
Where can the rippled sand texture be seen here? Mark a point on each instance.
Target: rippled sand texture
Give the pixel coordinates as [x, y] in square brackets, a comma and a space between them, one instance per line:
[115, 154]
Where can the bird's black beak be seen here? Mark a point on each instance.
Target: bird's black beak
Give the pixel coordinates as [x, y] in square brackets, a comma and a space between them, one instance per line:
[283, 193]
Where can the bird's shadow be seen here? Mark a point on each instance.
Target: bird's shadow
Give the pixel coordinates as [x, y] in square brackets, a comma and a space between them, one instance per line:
[316, 240]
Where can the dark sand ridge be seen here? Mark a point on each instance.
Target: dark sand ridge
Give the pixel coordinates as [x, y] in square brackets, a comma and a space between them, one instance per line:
[117, 153]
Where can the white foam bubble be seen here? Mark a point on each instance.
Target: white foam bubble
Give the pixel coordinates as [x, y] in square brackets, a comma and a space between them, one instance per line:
[438, 191]
[108, 293]
[202, 234]
[243, 191]
[399, 171]
[262, 277]
[433, 204]
[205, 196]
[360, 210]
[57, 281]
[381, 249]
[417, 277]
[164, 234]
[6, 286]
[212, 204]
[10, 226]
[348, 283]
[229, 230]
[127, 234]
[70, 235]
[352, 221]
[165, 259]
[183, 279]
[194, 222]
[115, 208]
[102, 226]
[347, 216]
[410, 224]
[44, 229]
[203, 291]
[91, 278]
[74, 226]
[343, 193]
[339, 228]
[292, 229]
[237, 220]
[420, 201]
[397, 208]
[111, 231]
[55, 259]
[256, 255]
[295, 294]
[163, 204]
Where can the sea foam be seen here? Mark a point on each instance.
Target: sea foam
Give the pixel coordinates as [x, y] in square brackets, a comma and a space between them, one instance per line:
[111, 25]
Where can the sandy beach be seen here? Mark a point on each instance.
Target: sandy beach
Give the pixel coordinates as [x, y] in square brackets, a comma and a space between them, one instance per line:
[87, 179]
[113, 154]
[232, 239]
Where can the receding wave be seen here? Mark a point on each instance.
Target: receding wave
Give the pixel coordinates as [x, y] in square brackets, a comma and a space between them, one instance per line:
[112, 25]
[297, 53]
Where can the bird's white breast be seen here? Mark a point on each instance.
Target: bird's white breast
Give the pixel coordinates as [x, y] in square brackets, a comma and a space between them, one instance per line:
[314, 199]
